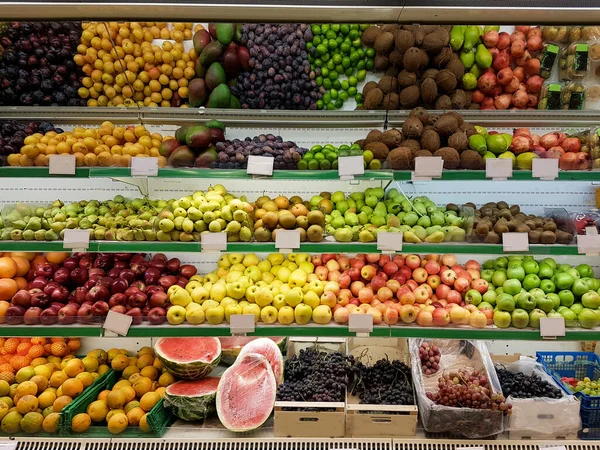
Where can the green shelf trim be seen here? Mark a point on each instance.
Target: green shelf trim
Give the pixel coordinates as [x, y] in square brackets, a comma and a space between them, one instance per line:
[269, 247]
[51, 330]
[518, 175]
[513, 334]
[39, 172]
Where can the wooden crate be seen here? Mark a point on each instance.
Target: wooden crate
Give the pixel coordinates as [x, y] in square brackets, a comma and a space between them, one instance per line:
[379, 420]
[324, 419]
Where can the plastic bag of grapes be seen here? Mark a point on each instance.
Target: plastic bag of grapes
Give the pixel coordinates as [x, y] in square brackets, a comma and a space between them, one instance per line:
[540, 408]
[458, 392]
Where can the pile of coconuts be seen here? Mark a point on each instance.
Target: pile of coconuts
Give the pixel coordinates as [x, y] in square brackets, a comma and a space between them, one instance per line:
[423, 134]
[419, 66]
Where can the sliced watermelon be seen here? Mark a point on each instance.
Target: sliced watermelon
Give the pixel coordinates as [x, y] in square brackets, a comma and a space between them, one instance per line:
[231, 346]
[269, 349]
[189, 358]
[246, 393]
[192, 400]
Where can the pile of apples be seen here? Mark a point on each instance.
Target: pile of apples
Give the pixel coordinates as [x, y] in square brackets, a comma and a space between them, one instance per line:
[82, 287]
[513, 81]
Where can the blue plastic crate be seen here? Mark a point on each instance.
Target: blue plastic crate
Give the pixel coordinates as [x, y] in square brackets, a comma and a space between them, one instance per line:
[573, 364]
[589, 433]
[590, 418]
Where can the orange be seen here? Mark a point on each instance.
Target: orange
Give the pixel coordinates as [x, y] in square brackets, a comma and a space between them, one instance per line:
[72, 387]
[38, 341]
[23, 348]
[74, 367]
[56, 257]
[39, 259]
[59, 349]
[58, 378]
[9, 377]
[21, 282]
[18, 362]
[74, 344]
[8, 267]
[22, 265]
[27, 255]
[10, 345]
[80, 423]
[61, 402]
[6, 367]
[35, 351]
[8, 287]
[4, 305]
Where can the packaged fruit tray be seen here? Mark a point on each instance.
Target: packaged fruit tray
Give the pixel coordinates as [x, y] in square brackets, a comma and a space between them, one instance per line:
[578, 365]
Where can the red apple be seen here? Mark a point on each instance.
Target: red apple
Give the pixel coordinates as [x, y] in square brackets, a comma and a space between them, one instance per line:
[79, 276]
[344, 280]
[316, 260]
[413, 261]
[441, 317]
[22, 298]
[157, 316]
[394, 285]
[67, 315]
[188, 270]
[137, 299]
[377, 282]
[356, 286]
[448, 277]
[118, 299]
[62, 275]
[368, 272]
[365, 295]
[49, 316]
[84, 314]
[40, 300]
[424, 318]
[454, 297]
[127, 274]
[481, 285]
[421, 294]
[341, 315]
[100, 309]
[121, 309]
[344, 262]
[420, 275]
[32, 316]
[119, 285]
[372, 257]
[79, 294]
[384, 293]
[159, 298]
[462, 284]
[448, 260]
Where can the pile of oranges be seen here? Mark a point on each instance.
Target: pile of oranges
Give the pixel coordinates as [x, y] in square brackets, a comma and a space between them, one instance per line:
[13, 268]
[107, 145]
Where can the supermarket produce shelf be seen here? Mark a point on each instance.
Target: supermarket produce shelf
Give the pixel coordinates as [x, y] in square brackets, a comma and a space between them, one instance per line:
[269, 247]
[316, 175]
[294, 330]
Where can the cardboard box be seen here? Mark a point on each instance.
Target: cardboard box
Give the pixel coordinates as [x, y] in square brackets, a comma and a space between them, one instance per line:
[379, 420]
[324, 419]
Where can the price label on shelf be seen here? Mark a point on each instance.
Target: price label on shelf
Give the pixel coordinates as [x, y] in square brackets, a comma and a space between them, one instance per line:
[498, 169]
[427, 167]
[117, 323]
[241, 324]
[62, 165]
[260, 165]
[515, 242]
[287, 240]
[76, 239]
[588, 244]
[469, 448]
[361, 324]
[213, 242]
[9, 445]
[350, 166]
[389, 241]
[555, 447]
[142, 167]
[544, 168]
[552, 327]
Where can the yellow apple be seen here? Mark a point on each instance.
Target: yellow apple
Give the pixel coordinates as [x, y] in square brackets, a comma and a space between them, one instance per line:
[207, 304]
[263, 297]
[197, 277]
[235, 258]
[212, 277]
[215, 315]
[254, 273]
[178, 296]
[312, 299]
[301, 257]
[307, 267]
[297, 278]
[218, 292]
[290, 265]
[230, 310]
[176, 315]
[250, 260]
[268, 314]
[228, 301]
[302, 314]
[264, 265]
[238, 267]
[275, 259]
[253, 309]
[233, 275]
[243, 303]
[283, 274]
[199, 294]
[322, 314]
[224, 262]
[268, 277]
[222, 272]
[294, 297]
[191, 285]
[251, 293]
[317, 286]
[274, 270]
[286, 315]
[279, 301]
[195, 316]
[284, 289]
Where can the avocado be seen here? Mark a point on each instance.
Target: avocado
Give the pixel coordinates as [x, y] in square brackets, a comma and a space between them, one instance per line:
[198, 137]
[215, 75]
[198, 92]
[220, 97]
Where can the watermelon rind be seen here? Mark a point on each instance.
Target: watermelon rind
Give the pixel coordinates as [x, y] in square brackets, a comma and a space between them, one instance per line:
[270, 350]
[246, 393]
[192, 400]
[232, 346]
[169, 349]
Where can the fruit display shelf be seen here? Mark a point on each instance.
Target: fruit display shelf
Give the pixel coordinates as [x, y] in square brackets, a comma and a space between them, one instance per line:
[269, 247]
[312, 330]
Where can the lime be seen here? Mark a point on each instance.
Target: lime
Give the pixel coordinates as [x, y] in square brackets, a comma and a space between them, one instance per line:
[375, 164]
[368, 156]
[316, 29]
[333, 75]
[345, 29]
[331, 157]
[352, 91]
[325, 28]
[370, 52]
[361, 75]
[336, 84]
[337, 59]
[330, 64]
[319, 156]
[496, 143]
[316, 148]
[349, 71]
[307, 156]
[343, 95]
[313, 165]
[339, 103]
[334, 94]
[327, 83]
[324, 72]
[319, 81]
[325, 165]
[352, 81]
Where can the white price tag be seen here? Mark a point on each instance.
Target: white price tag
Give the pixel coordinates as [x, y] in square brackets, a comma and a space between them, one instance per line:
[389, 241]
[213, 242]
[361, 324]
[144, 167]
[260, 165]
[515, 242]
[349, 166]
[62, 165]
[544, 168]
[588, 244]
[427, 167]
[499, 169]
[591, 230]
[241, 323]
[468, 448]
[76, 239]
[117, 323]
[556, 447]
[287, 239]
[551, 327]
[9, 445]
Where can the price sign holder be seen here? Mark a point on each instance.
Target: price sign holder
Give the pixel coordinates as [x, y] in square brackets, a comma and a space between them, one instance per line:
[498, 169]
[287, 240]
[589, 243]
[361, 324]
[427, 168]
[117, 323]
[350, 166]
[143, 167]
[241, 324]
[515, 242]
[213, 242]
[62, 165]
[545, 169]
[76, 240]
[552, 327]
[261, 166]
[389, 241]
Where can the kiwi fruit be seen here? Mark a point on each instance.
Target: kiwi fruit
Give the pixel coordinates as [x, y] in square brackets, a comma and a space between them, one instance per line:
[482, 228]
[406, 78]
[430, 140]
[501, 205]
[410, 96]
[549, 226]
[370, 35]
[492, 238]
[501, 227]
[412, 127]
[515, 209]
[452, 207]
[562, 237]
[429, 91]
[548, 237]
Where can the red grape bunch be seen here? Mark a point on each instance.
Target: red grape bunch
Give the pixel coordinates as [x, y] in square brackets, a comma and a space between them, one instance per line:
[430, 358]
[465, 389]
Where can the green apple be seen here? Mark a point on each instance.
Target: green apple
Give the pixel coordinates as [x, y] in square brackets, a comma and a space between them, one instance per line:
[268, 314]
[505, 302]
[580, 287]
[499, 277]
[535, 316]
[569, 316]
[531, 267]
[515, 271]
[550, 262]
[591, 300]
[563, 280]
[544, 303]
[520, 318]
[537, 292]
[587, 318]
[285, 315]
[555, 299]
[294, 297]
[531, 281]
[215, 315]
[499, 290]
[555, 314]
[512, 286]
[473, 296]
[253, 309]
[484, 305]
[302, 314]
[501, 262]
[490, 297]
[502, 319]
[547, 286]
[526, 301]
[279, 301]
[545, 271]
[576, 308]
[574, 273]
[594, 283]
[176, 314]
[566, 298]
[585, 270]
[487, 275]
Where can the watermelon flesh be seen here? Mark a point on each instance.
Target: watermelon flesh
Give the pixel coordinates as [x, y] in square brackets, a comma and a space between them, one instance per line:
[246, 393]
[231, 346]
[189, 358]
[192, 400]
[269, 349]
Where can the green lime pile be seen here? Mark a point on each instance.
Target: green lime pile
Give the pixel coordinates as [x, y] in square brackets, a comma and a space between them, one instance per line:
[325, 157]
[336, 51]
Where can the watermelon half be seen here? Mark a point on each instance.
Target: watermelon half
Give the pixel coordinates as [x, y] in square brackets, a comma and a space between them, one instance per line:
[246, 393]
[231, 346]
[189, 358]
[269, 349]
[192, 400]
